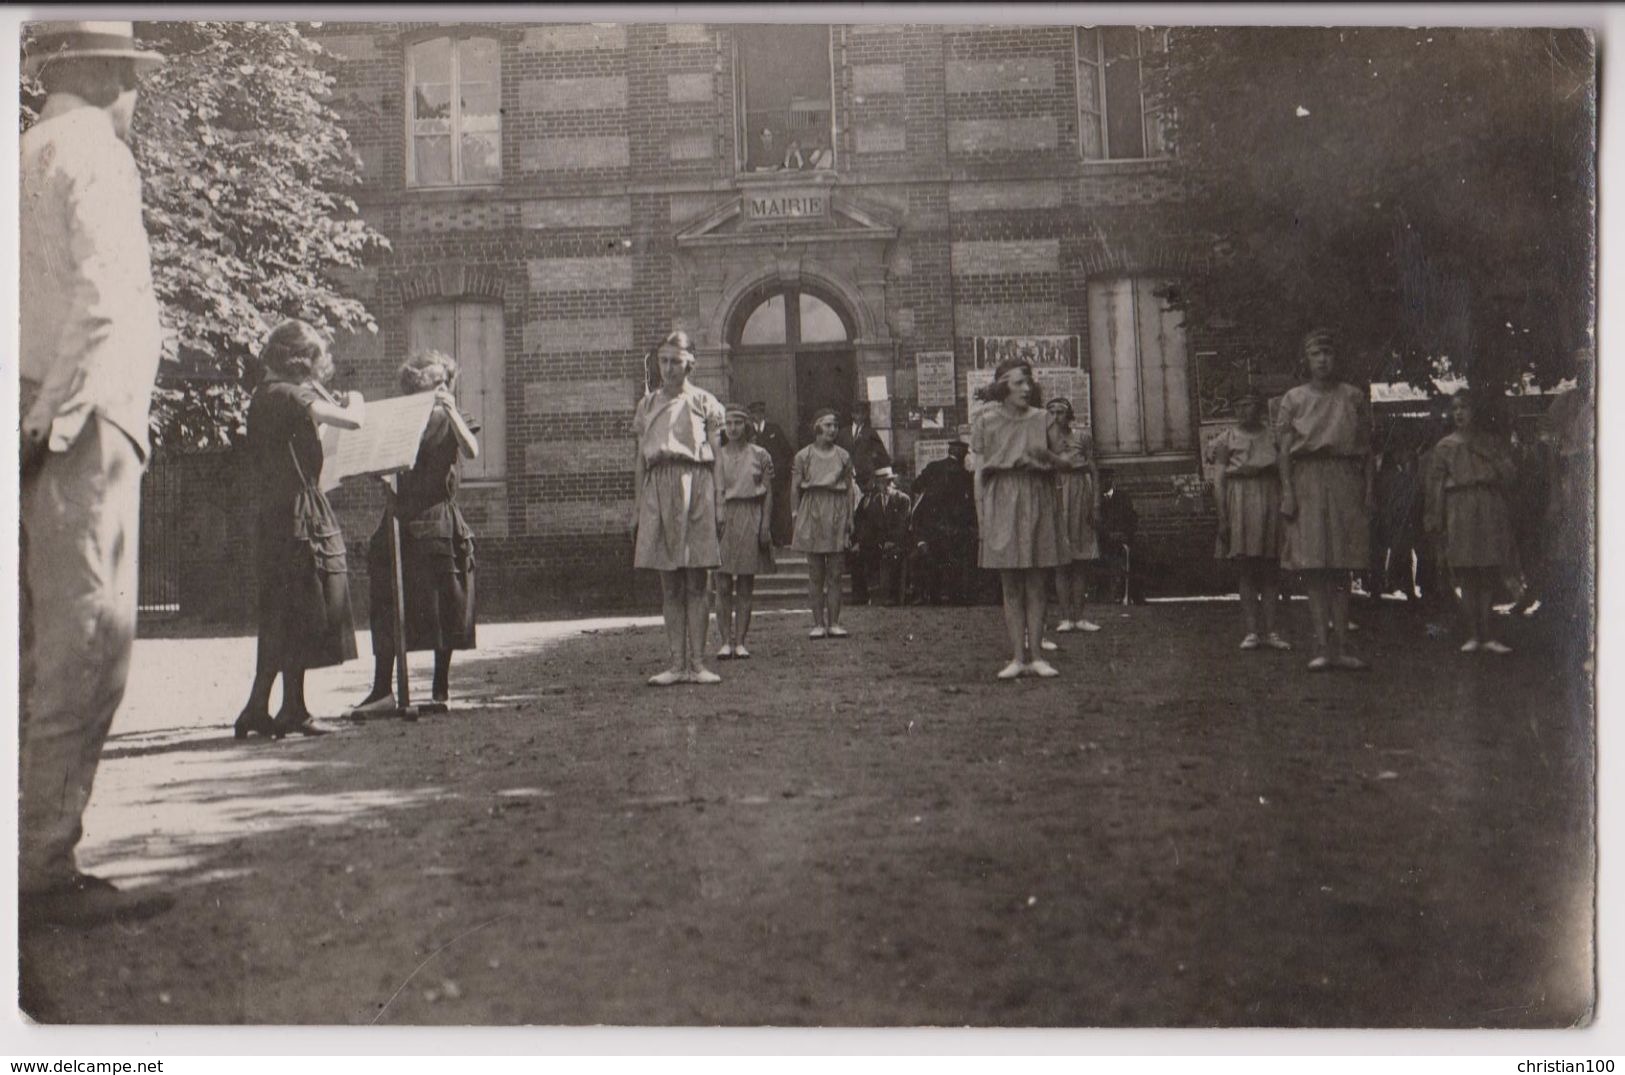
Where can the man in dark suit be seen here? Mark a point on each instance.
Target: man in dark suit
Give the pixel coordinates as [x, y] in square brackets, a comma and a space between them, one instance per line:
[1119, 523]
[944, 530]
[881, 533]
[770, 435]
[869, 454]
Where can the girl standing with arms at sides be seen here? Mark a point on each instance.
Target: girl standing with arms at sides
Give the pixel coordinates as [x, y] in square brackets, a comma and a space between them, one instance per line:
[1323, 435]
[304, 581]
[674, 486]
[437, 544]
[1019, 446]
[1248, 491]
[1077, 482]
[1471, 475]
[823, 497]
[745, 471]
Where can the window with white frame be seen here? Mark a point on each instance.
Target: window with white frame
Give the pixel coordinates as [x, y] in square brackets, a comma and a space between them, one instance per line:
[1138, 368]
[784, 79]
[471, 333]
[1117, 120]
[453, 112]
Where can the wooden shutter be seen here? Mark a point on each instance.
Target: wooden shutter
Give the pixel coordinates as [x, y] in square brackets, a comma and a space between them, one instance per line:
[480, 385]
[1164, 378]
[1114, 367]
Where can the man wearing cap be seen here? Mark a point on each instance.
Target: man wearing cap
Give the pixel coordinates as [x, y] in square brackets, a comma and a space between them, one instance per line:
[881, 534]
[90, 350]
[944, 528]
[770, 435]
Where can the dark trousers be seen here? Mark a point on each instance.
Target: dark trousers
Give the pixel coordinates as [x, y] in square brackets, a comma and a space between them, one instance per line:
[1121, 575]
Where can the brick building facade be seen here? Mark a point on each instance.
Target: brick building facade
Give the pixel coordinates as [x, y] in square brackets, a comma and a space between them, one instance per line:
[559, 196]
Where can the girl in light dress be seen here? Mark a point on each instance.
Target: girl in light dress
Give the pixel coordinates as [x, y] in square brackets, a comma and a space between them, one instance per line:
[677, 425]
[1018, 445]
[1077, 482]
[823, 498]
[745, 471]
[1467, 485]
[1248, 491]
[1323, 435]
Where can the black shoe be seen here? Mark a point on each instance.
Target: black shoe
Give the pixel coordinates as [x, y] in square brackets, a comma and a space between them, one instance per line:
[295, 721]
[89, 901]
[250, 721]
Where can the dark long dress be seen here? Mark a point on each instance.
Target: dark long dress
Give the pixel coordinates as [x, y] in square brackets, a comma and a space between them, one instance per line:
[303, 574]
[437, 553]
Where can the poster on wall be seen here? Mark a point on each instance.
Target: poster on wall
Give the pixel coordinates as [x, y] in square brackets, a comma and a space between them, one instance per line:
[934, 377]
[927, 452]
[1037, 351]
[1071, 385]
[975, 382]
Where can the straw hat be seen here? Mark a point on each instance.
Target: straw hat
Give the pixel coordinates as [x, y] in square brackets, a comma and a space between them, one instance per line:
[86, 40]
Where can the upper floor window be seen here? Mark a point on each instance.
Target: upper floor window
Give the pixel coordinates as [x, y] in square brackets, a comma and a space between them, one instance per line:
[471, 333]
[1138, 369]
[786, 122]
[1116, 119]
[454, 119]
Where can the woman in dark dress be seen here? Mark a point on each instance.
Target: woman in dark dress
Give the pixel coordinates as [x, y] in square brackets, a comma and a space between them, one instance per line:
[437, 546]
[304, 592]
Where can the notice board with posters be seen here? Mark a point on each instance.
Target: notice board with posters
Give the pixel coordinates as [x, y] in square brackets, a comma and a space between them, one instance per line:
[934, 378]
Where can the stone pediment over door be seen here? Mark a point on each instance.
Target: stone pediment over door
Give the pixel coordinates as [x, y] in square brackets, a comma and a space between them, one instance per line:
[840, 247]
[817, 215]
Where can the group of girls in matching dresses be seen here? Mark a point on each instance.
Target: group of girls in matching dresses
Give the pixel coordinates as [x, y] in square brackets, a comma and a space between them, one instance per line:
[1295, 497]
[704, 495]
[301, 561]
[1299, 497]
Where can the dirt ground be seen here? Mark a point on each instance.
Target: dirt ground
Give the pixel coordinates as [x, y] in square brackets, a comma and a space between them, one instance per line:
[861, 832]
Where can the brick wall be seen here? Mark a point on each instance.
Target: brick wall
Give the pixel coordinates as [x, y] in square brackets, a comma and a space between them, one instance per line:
[615, 137]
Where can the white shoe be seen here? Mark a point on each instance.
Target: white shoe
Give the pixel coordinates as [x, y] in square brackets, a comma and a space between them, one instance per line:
[838, 632]
[817, 632]
[726, 653]
[741, 653]
[1064, 627]
[1043, 669]
[1046, 646]
[1275, 641]
[1470, 646]
[1497, 647]
[1012, 670]
[704, 675]
[1250, 642]
[665, 679]
[1087, 625]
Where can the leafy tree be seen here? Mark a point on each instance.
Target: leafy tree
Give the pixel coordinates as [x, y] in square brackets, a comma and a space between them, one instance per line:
[1431, 192]
[244, 165]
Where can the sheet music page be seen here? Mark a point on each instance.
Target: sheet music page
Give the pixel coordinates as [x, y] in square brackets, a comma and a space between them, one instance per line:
[387, 441]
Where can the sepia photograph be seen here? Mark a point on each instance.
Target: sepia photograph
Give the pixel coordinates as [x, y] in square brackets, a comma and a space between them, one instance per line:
[782, 518]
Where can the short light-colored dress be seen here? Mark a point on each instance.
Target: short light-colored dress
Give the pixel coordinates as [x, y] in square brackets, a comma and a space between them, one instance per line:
[824, 513]
[1468, 481]
[1252, 494]
[746, 472]
[1330, 431]
[1075, 485]
[677, 508]
[1018, 508]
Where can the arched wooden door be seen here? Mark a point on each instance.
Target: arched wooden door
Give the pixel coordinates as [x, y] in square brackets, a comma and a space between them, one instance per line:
[791, 348]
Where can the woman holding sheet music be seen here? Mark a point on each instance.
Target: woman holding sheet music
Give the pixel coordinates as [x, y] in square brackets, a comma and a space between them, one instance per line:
[437, 545]
[304, 593]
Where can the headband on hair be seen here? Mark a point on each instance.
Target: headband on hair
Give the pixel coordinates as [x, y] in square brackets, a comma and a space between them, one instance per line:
[1062, 401]
[735, 410]
[1319, 335]
[825, 413]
